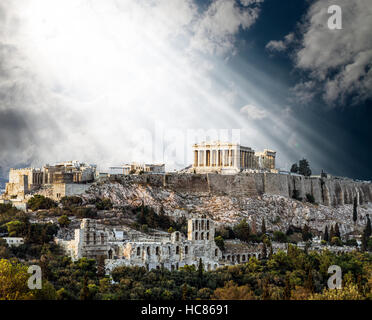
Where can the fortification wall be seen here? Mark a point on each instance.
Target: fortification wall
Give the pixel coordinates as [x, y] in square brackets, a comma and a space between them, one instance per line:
[330, 192]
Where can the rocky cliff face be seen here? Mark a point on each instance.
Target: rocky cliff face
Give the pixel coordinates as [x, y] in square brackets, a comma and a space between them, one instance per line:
[225, 200]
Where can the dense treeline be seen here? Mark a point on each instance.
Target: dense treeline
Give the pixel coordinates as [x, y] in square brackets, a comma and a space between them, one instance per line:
[296, 275]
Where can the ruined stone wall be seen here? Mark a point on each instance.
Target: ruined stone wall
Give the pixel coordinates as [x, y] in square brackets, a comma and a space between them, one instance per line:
[330, 192]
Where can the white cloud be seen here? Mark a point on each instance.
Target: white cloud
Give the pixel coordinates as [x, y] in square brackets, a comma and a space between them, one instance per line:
[339, 61]
[280, 45]
[254, 112]
[79, 78]
[215, 31]
[274, 45]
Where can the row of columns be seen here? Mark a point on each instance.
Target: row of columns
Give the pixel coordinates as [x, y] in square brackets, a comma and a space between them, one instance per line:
[247, 160]
[215, 158]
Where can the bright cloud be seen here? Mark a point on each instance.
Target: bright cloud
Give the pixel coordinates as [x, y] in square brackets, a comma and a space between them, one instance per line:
[254, 112]
[337, 61]
[86, 79]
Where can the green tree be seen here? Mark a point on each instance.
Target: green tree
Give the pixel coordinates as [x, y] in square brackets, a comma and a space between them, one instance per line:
[242, 230]
[220, 242]
[263, 227]
[306, 234]
[355, 210]
[304, 168]
[64, 221]
[38, 202]
[337, 231]
[13, 281]
[368, 227]
[326, 235]
[331, 233]
[294, 168]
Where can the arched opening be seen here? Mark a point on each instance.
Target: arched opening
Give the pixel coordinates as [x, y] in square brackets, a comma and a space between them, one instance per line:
[110, 254]
[243, 257]
[207, 235]
[232, 258]
[102, 238]
[186, 250]
[202, 224]
[88, 238]
[172, 267]
[207, 224]
[157, 251]
[209, 267]
[148, 250]
[259, 256]
[196, 236]
[177, 266]
[177, 250]
[202, 236]
[157, 268]
[216, 252]
[228, 258]
[177, 236]
[238, 258]
[138, 251]
[169, 250]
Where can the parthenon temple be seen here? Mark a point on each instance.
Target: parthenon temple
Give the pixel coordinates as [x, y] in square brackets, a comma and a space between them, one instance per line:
[224, 156]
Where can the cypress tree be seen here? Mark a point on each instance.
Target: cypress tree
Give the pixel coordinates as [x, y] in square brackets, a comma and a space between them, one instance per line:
[326, 234]
[337, 231]
[264, 251]
[331, 233]
[200, 272]
[263, 228]
[368, 227]
[355, 210]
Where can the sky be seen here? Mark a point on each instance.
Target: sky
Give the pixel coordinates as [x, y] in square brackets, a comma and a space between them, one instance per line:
[109, 82]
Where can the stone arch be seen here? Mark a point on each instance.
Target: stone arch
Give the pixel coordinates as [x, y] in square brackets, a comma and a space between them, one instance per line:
[259, 256]
[238, 258]
[177, 250]
[186, 249]
[243, 257]
[207, 224]
[109, 253]
[233, 258]
[177, 236]
[216, 252]
[196, 235]
[207, 236]
[202, 236]
[177, 266]
[148, 250]
[157, 268]
[209, 266]
[215, 266]
[169, 250]
[172, 267]
[157, 251]
[228, 258]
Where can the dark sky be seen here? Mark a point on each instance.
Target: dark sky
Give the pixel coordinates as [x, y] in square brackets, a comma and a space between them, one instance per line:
[345, 125]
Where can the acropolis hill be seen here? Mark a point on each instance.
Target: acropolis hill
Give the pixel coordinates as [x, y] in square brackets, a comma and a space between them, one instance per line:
[226, 182]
